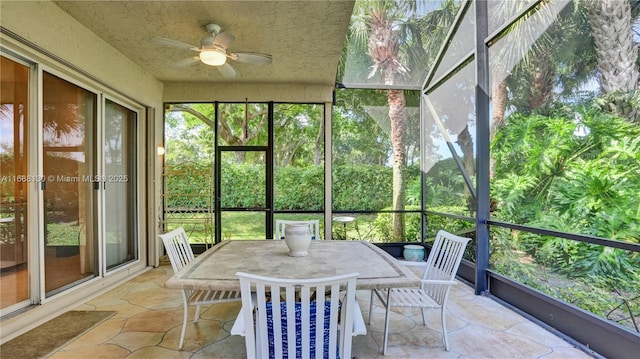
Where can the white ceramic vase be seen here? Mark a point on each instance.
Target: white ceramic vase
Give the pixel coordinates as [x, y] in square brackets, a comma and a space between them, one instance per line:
[298, 238]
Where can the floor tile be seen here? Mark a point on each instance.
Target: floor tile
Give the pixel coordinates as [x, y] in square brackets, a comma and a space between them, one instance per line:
[149, 319]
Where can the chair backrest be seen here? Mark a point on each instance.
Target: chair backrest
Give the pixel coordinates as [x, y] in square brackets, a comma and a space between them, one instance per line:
[314, 226]
[442, 263]
[304, 327]
[178, 249]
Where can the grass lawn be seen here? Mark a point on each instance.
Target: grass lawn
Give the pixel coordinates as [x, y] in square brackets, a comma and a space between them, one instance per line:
[236, 225]
[251, 225]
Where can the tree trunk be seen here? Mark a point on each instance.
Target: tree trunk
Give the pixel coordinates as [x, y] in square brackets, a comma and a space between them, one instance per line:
[398, 117]
[319, 148]
[466, 145]
[498, 107]
[543, 76]
[383, 47]
[616, 53]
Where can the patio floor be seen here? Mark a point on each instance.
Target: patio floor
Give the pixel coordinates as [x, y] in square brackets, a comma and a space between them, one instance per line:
[149, 318]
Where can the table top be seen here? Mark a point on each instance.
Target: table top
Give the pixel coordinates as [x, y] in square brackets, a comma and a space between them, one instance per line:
[216, 268]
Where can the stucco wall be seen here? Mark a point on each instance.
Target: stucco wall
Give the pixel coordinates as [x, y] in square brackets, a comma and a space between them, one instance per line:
[41, 32]
[44, 24]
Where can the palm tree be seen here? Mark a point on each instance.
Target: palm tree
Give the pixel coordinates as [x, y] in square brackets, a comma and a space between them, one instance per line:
[616, 53]
[582, 40]
[394, 35]
[596, 38]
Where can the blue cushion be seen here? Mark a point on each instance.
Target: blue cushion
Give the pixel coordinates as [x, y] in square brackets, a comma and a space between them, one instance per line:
[312, 329]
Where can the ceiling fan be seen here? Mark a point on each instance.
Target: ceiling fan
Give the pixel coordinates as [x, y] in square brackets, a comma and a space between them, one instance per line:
[213, 51]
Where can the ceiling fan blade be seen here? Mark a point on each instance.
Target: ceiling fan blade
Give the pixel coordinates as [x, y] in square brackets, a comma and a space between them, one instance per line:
[252, 58]
[224, 40]
[186, 62]
[173, 43]
[228, 71]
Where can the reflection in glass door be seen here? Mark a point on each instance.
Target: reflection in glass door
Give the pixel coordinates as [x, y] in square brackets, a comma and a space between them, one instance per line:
[14, 114]
[69, 168]
[119, 185]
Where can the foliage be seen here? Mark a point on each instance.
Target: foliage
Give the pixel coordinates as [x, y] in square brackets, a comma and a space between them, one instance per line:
[437, 222]
[543, 168]
[358, 137]
[299, 188]
[462, 227]
[189, 131]
[243, 186]
[445, 185]
[419, 29]
[383, 226]
[571, 169]
[298, 134]
[188, 186]
[607, 297]
[63, 234]
[361, 187]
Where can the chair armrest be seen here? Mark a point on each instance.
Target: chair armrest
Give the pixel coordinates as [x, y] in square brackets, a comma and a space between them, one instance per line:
[238, 325]
[359, 328]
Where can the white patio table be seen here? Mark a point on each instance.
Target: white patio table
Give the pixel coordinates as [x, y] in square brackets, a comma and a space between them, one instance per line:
[216, 268]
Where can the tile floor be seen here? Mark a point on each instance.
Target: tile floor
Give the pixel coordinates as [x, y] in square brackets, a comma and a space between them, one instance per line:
[149, 317]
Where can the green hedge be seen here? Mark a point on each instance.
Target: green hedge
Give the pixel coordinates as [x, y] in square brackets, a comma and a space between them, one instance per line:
[295, 188]
[362, 187]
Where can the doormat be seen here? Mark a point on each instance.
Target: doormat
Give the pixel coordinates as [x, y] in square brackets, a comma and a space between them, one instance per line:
[46, 338]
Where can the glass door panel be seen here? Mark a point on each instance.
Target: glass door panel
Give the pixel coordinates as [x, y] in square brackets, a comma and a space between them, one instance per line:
[243, 225]
[243, 170]
[69, 137]
[243, 124]
[119, 184]
[14, 114]
[188, 170]
[242, 180]
[243, 196]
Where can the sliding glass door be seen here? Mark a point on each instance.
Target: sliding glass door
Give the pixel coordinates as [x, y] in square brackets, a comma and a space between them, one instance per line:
[119, 184]
[14, 114]
[69, 209]
[89, 195]
[69, 189]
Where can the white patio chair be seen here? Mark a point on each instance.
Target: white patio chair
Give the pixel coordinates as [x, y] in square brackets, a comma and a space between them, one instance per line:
[299, 328]
[314, 226]
[437, 278]
[179, 252]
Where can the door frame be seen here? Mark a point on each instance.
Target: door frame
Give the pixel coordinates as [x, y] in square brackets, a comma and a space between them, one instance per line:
[268, 150]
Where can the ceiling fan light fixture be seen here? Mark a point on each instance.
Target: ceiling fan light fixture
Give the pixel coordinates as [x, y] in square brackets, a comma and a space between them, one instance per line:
[213, 57]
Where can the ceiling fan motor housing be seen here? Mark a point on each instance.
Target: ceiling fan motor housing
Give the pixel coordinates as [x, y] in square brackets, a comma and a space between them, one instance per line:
[207, 41]
[213, 29]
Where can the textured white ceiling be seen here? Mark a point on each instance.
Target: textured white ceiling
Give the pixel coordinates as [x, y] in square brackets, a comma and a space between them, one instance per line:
[305, 38]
